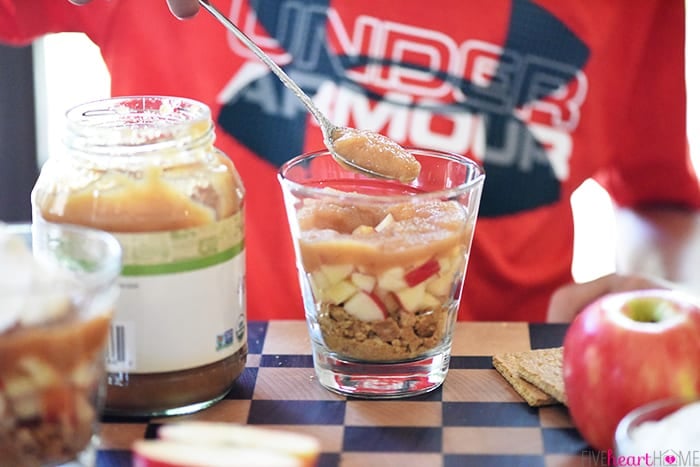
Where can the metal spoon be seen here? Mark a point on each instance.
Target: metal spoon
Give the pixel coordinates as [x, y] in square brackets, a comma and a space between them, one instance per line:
[330, 131]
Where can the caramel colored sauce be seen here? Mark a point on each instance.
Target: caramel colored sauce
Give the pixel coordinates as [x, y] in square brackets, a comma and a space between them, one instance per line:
[151, 204]
[84, 337]
[376, 153]
[333, 234]
[159, 392]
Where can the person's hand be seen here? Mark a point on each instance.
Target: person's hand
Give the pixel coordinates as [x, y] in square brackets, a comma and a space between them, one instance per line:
[182, 9]
[570, 299]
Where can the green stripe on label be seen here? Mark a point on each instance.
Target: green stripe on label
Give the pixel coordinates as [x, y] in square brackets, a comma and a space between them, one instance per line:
[182, 266]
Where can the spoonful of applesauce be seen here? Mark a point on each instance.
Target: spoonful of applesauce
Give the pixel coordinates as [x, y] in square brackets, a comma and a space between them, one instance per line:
[363, 151]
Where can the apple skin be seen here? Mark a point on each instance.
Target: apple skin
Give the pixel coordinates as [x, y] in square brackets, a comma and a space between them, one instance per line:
[614, 361]
[422, 272]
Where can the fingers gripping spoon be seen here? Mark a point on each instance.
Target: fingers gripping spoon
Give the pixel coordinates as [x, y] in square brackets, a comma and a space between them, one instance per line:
[369, 153]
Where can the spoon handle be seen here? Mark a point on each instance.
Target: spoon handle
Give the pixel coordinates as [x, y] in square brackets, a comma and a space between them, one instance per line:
[326, 125]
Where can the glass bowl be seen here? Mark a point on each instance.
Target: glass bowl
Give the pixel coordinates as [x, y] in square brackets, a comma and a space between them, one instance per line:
[664, 432]
[57, 290]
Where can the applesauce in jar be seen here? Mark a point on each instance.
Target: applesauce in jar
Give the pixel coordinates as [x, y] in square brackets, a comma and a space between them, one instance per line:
[145, 168]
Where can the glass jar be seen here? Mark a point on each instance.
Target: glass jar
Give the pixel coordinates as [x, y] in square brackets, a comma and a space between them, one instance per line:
[145, 168]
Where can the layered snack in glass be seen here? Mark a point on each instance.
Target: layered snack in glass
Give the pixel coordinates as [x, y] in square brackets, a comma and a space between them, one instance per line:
[57, 291]
[381, 266]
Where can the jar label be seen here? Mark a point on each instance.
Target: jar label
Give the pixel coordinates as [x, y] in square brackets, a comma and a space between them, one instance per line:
[182, 299]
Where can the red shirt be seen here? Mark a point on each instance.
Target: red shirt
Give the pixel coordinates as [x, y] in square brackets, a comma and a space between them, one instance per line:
[545, 93]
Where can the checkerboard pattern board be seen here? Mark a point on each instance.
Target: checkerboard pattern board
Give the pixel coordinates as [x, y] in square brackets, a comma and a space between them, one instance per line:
[474, 419]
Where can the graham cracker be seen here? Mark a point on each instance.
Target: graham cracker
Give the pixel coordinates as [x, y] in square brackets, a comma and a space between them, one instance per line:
[544, 369]
[508, 365]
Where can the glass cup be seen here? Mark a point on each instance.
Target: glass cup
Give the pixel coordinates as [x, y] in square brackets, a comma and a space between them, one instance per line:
[654, 431]
[57, 291]
[381, 266]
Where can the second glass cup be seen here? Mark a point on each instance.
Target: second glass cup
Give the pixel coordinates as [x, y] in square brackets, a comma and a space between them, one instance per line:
[381, 266]
[58, 287]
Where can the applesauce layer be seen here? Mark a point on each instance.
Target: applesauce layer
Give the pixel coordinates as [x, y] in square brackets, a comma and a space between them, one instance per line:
[376, 153]
[152, 203]
[360, 235]
[62, 345]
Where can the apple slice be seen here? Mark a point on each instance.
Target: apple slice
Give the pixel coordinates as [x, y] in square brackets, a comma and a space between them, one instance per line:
[392, 279]
[411, 298]
[441, 285]
[208, 434]
[363, 230]
[29, 407]
[336, 272]
[445, 264]
[430, 302]
[17, 387]
[161, 453]
[423, 272]
[384, 223]
[41, 373]
[363, 281]
[338, 293]
[319, 283]
[366, 307]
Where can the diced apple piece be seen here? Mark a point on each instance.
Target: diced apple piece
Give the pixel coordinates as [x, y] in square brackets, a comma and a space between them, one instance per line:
[19, 386]
[430, 302]
[392, 279]
[319, 283]
[339, 292]
[336, 272]
[384, 223]
[423, 272]
[451, 264]
[366, 307]
[42, 375]
[84, 411]
[445, 264]
[84, 374]
[363, 281]
[411, 298]
[363, 230]
[318, 278]
[441, 285]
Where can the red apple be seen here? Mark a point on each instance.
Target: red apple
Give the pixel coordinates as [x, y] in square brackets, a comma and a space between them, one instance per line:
[627, 349]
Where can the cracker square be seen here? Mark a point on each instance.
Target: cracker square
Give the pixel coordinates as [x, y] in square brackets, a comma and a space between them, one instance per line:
[544, 369]
[508, 365]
